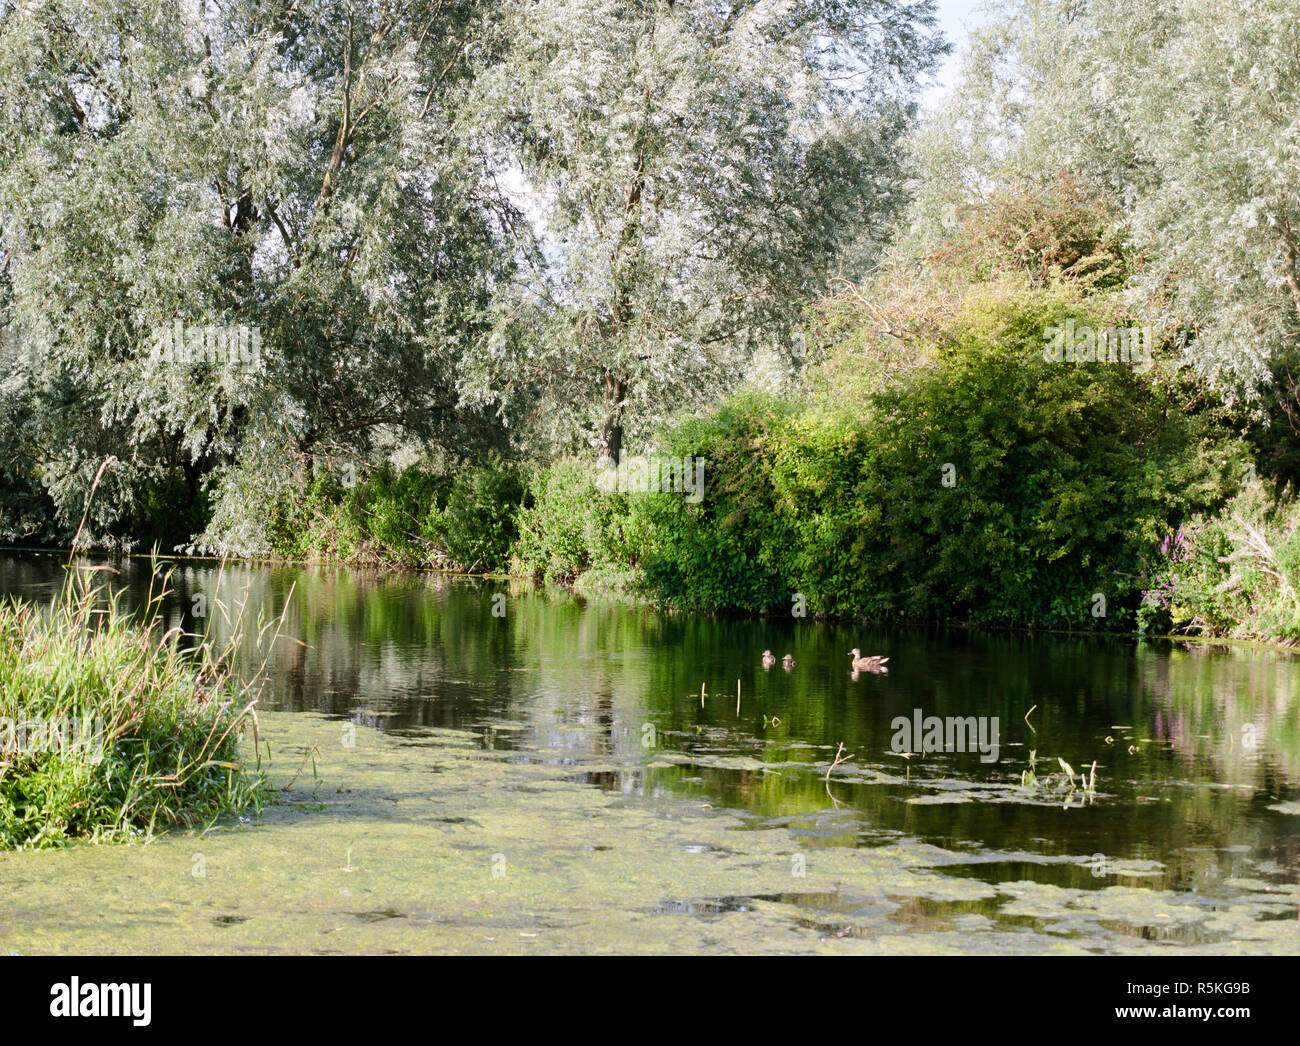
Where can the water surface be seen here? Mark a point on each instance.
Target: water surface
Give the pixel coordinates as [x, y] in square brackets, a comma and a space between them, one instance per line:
[450, 720]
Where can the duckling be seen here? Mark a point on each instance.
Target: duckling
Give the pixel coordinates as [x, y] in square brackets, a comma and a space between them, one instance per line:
[769, 659]
[875, 663]
[787, 662]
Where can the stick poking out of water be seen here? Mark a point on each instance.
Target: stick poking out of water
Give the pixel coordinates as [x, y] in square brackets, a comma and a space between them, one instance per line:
[737, 697]
[839, 758]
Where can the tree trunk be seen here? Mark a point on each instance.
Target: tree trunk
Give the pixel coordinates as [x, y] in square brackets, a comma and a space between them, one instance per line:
[610, 451]
[305, 465]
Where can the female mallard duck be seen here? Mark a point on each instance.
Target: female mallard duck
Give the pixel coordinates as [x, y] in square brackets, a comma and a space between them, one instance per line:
[870, 664]
[769, 659]
[787, 662]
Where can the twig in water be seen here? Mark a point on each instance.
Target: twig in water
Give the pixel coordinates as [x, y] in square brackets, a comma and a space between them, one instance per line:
[1027, 722]
[839, 758]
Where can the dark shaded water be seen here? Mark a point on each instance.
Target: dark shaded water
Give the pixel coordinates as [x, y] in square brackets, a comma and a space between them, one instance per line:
[1197, 748]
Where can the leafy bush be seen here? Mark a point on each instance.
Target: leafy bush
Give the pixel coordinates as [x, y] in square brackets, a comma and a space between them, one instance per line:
[1059, 477]
[573, 529]
[1058, 233]
[729, 551]
[415, 518]
[477, 526]
[400, 514]
[1237, 573]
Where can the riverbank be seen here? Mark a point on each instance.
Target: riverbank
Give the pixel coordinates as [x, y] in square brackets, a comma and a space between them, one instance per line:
[633, 596]
[112, 728]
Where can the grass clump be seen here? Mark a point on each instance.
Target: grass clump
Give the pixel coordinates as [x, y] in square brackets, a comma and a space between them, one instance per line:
[111, 727]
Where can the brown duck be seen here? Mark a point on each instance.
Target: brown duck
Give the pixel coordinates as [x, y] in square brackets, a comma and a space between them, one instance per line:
[875, 663]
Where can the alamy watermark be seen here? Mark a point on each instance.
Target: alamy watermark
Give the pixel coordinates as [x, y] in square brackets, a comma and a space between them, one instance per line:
[29, 736]
[655, 475]
[921, 734]
[174, 343]
[217, 344]
[130, 999]
[1078, 344]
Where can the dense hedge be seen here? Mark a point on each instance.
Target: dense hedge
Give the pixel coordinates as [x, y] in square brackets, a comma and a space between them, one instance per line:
[995, 487]
[417, 518]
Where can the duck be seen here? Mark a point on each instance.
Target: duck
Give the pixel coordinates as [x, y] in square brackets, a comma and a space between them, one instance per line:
[769, 659]
[787, 662]
[875, 663]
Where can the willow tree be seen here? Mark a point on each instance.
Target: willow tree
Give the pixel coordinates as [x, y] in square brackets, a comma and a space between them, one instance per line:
[692, 171]
[1211, 97]
[1185, 113]
[305, 168]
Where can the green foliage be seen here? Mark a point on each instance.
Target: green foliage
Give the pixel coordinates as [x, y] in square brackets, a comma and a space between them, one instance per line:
[575, 529]
[1050, 234]
[696, 172]
[1061, 475]
[1236, 572]
[415, 518]
[729, 551]
[478, 525]
[297, 175]
[329, 176]
[172, 508]
[1053, 246]
[1182, 111]
[399, 510]
[149, 732]
[26, 514]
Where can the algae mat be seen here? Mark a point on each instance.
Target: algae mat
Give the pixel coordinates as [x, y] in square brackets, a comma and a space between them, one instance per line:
[433, 843]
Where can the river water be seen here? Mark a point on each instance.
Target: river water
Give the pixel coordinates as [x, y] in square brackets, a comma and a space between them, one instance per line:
[469, 766]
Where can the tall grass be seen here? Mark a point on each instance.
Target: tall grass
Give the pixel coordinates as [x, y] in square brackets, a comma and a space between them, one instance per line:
[112, 727]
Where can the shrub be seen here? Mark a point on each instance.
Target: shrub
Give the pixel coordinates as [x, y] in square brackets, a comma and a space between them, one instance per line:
[729, 551]
[573, 528]
[478, 525]
[1062, 475]
[1059, 233]
[1237, 572]
[414, 518]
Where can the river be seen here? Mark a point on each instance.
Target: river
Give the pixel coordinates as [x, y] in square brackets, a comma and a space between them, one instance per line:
[474, 766]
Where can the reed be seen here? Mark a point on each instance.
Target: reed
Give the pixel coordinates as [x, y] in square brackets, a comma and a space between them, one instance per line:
[112, 726]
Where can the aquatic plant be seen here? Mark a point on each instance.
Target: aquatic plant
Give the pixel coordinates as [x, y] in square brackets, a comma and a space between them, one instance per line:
[1029, 777]
[1062, 782]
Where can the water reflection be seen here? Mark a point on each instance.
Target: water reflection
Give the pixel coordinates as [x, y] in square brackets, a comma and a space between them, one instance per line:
[1193, 745]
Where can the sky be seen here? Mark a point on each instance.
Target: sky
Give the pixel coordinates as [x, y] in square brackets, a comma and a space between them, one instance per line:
[956, 17]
